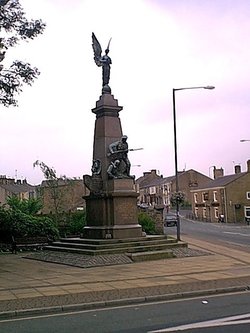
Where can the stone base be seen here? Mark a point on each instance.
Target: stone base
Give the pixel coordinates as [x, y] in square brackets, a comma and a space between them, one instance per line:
[112, 232]
[114, 214]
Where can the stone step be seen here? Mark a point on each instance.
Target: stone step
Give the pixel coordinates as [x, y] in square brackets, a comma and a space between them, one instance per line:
[115, 241]
[112, 250]
[115, 245]
[150, 255]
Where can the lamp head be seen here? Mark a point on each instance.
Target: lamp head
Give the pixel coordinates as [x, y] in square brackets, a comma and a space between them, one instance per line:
[209, 87]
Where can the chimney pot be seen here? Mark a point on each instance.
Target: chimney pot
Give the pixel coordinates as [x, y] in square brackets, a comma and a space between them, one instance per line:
[248, 166]
[237, 169]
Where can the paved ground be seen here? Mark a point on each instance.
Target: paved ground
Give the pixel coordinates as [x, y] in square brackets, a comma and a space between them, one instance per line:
[28, 286]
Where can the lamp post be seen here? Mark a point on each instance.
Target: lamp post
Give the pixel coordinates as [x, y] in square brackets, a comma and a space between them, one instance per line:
[176, 160]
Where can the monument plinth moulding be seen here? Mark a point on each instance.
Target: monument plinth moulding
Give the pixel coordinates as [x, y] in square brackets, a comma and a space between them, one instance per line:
[111, 210]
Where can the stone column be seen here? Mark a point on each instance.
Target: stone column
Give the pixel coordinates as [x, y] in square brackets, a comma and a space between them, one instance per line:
[111, 209]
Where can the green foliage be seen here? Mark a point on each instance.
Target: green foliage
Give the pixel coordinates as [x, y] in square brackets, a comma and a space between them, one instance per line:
[14, 221]
[147, 223]
[15, 28]
[186, 204]
[49, 173]
[180, 196]
[30, 207]
[75, 222]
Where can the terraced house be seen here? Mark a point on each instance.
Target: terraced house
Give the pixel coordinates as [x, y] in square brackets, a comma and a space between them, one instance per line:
[157, 190]
[10, 187]
[225, 196]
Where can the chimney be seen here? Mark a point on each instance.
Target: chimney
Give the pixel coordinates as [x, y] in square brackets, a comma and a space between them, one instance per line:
[18, 181]
[218, 173]
[146, 173]
[248, 166]
[237, 169]
[153, 171]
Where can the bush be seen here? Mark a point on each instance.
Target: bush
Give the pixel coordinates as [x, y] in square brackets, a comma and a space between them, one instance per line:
[75, 222]
[19, 224]
[147, 223]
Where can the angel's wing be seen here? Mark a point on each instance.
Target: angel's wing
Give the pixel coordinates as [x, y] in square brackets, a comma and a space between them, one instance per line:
[97, 50]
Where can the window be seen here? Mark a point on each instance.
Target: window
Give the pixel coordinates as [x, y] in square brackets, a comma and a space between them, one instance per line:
[216, 213]
[215, 196]
[247, 211]
[248, 195]
[31, 195]
[204, 213]
[196, 212]
[204, 196]
[195, 197]
[152, 190]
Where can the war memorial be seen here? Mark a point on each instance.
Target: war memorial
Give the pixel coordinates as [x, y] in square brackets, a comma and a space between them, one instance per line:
[111, 203]
[111, 206]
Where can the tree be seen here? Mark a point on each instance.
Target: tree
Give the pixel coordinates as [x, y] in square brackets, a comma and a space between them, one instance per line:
[177, 196]
[52, 183]
[15, 27]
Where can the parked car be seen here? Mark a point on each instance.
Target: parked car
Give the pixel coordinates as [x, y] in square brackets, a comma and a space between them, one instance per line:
[170, 221]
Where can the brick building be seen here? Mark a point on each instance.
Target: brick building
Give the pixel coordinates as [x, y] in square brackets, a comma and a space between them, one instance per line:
[19, 188]
[63, 195]
[228, 196]
[157, 190]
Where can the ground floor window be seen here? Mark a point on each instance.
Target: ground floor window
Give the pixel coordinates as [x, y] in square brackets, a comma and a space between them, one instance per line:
[204, 213]
[247, 211]
[196, 212]
[216, 213]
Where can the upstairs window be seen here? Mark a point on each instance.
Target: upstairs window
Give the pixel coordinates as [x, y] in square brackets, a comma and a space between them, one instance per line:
[248, 195]
[215, 198]
[204, 196]
[152, 190]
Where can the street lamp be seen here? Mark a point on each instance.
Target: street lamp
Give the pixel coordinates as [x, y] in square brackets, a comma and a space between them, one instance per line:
[175, 157]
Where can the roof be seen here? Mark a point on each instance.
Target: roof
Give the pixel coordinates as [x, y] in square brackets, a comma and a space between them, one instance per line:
[60, 182]
[160, 180]
[18, 188]
[221, 181]
[157, 181]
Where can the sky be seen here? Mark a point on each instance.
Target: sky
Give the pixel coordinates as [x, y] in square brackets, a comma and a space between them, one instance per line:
[156, 46]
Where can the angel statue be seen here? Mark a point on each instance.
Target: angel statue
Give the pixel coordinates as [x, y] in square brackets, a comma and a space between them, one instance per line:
[104, 61]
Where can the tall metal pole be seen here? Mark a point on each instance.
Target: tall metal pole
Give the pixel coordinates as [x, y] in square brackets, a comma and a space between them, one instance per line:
[178, 231]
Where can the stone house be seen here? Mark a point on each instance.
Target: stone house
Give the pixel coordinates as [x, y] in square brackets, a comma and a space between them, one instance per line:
[19, 188]
[157, 190]
[63, 195]
[226, 196]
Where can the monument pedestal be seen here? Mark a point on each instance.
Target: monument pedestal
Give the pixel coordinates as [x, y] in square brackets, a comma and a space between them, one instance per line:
[114, 214]
[111, 207]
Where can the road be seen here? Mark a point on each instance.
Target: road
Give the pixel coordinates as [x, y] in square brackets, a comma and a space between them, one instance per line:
[167, 316]
[233, 235]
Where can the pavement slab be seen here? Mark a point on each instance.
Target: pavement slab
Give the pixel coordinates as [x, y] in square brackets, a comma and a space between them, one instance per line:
[40, 284]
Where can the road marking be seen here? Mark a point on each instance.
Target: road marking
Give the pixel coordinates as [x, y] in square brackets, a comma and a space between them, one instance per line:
[228, 321]
[236, 233]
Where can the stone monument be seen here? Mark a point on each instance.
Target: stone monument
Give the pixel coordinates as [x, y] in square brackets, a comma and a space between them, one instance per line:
[111, 210]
